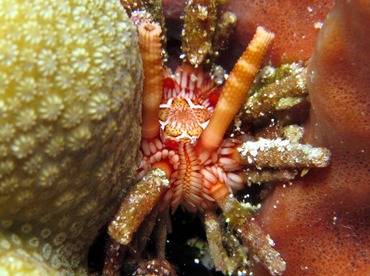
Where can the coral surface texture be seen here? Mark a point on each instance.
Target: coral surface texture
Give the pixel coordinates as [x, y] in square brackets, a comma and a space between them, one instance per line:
[70, 76]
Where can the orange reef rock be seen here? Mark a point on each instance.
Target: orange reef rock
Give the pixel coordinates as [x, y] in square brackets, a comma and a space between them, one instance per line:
[295, 24]
[321, 223]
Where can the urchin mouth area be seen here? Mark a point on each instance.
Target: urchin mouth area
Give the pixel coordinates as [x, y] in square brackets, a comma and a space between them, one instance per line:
[181, 119]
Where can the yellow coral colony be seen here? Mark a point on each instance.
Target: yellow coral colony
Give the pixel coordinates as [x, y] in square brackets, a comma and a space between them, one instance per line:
[70, 76]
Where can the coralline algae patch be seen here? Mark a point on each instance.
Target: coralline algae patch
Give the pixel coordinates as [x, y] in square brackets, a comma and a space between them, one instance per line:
[70, 74]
